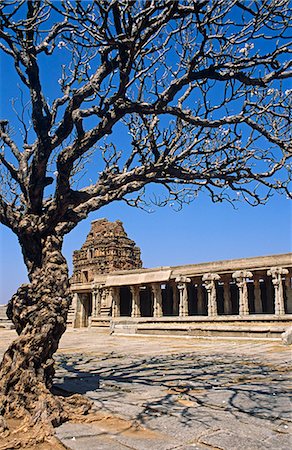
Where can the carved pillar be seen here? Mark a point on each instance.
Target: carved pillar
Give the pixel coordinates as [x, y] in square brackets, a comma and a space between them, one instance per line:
[175, 299]
[74, 301]
[157, 300]
[200, 297]
[115, 300]
[258, 304]
[277, 273]
[136, 310]
[241, 277]
[75, 306]
[96, 301]
[94, 294]
[80, 316]
[209, 280]
[104, 296]
[227, 296]
[183, 295]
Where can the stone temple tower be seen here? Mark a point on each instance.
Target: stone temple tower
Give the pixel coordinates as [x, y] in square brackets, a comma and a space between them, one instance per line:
[106, 249]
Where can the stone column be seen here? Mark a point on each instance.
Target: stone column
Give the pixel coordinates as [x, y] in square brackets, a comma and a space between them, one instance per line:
[227, 306]
[136, 310]
[114, 295]
[209, 280]
[241, 277]
[277, 273]
[183, 295]
[157, 300]
[200, 297]
[74, 301]
[258, 304]
[96, 302]
[104, 297]
[75, 306]
[81, 312]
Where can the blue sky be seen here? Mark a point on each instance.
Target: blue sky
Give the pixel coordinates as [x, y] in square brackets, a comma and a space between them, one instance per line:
[202, 231]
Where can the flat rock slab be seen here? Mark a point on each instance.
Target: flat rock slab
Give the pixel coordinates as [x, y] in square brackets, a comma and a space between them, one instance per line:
[165, 394]
[115, 435]
[236, 398]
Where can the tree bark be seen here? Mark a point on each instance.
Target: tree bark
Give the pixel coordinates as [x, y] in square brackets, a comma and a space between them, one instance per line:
[39, 313]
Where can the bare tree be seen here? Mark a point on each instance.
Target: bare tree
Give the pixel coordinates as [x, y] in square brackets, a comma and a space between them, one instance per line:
[201, 89]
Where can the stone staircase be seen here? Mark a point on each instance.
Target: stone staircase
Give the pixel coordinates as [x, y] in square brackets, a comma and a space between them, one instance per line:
[70, 317]
[4, 321]
[101, 322]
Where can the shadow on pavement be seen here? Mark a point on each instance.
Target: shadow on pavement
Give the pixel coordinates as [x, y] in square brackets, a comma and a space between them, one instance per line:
[181, 385]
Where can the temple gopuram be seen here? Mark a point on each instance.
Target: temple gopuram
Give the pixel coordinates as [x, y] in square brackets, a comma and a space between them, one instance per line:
[251, 297]
[106, 249]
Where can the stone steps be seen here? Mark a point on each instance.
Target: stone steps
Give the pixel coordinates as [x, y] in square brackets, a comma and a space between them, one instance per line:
[252, 326]
[70, 317]
[263, 327]
[101, 322]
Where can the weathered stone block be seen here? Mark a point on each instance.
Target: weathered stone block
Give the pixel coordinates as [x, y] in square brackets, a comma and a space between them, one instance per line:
[287, 336]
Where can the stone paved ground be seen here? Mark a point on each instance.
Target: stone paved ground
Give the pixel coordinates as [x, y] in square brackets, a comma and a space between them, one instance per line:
[176, 393]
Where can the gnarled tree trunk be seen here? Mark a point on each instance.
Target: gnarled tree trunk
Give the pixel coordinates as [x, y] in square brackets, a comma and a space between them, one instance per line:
[39, 313]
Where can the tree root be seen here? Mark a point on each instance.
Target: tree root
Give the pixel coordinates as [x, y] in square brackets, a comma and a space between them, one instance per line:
[28, 428]
[30, 441]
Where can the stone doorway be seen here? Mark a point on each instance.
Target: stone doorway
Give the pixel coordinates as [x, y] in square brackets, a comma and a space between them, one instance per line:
[125, 301]
[146, 302]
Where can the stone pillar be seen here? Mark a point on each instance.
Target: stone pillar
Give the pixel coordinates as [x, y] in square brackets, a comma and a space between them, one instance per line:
[258, 304]
[74, 301]
[75, 306]
[82, 310]
[175, 299]
[183, 295]
[80, 316]
[241, 277]
[200, 297]
[227, 306]
[288, 293]
[114, 296]
[277, 273]
[96, 302]
[157, 300]
[104, 302]
[209, 280]
[136, 310]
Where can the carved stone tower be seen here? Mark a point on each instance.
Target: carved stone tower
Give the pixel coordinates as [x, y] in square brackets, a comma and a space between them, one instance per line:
[107, 249]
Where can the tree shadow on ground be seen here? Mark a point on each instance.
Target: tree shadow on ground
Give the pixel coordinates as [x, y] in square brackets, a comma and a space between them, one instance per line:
[183, 386]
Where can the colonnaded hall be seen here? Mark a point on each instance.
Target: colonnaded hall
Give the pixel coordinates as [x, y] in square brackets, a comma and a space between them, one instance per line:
[248, 297]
